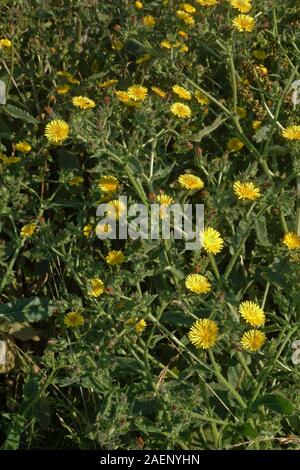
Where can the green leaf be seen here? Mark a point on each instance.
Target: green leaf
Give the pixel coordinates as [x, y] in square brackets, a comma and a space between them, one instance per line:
[18, 113]
[261, 231]
[276, 403]
[12, 441]
[208, 129]
[32, 309]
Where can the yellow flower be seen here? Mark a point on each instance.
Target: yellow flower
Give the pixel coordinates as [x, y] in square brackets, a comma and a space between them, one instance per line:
[185, 17]
[137, 92]
[244, 23]
[23, 147]
[68, 76]
[108, 83]
[76, 181]
[181, 110]
[165, 200]
[261, 70]
[244, 6]
[61, 90]
[115, 257]
[197, 284]
[115, 208]
[234, 144]
[184, 48]
[256, 124]
[188, 181]
[166, 44]
[182, 92]
[188, 8]
[211, 240]
[158, 91]
[149, 21]
[57, 131]
[97, 287]
[207, 3]
[28, 230]
[201, 98]
[291, 240]
[103, 228]
[87, 230]
[108, 184]
[138, 5]
[140, 326]
[9, 160]
[83, 102]
[260, 55]
[252, 313]
[242, 113]
[124, 97]
[117, 45]
[204, 333]
[5, 43]
[73, 319]
[246, 191]
[292, 133]
[253, 340]
[183, 34]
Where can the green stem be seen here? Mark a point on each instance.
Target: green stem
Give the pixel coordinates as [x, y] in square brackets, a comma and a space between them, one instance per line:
[214, 266]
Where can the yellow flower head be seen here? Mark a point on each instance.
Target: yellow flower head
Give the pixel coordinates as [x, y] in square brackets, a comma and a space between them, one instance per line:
[261, 70]
[244, 6]
[292, 133]
[244, 23]
[108, 83]
[28, 230]
[291, 240]
[158, 91]
[256, 124]
[252, 313]
[115, 208]
[204, 333]
[97, 287]
[197, 284]
[246, 191]
[234, 144]
[108, 184]
[73, 319]
[57, 131]
[5, 43]
[23, 147]
[125, 98]
[185, 17]
[140, 326]
[188, 181]
[87, 230]
[242, 113]
[201, 98]
[76, 181]
[137, 92]
[103, 228]
[63, 89]
[165, 200]
[9, 160]
[211, 240]
[181, 110]
[83, 102]
[183, 34]
[182, 92]
[253, 340]
[149, 21]
[69, 77]
[188, 8]
[115, 257]
[138, 5]
[207, 3]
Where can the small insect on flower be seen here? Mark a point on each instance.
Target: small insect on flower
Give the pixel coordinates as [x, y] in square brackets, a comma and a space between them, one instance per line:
[83, 102]
[23, 147]
[137, 92]
[115, 257]
[212, 241]
[108, 184]
[252, 313]
[158, 91]
[57, 131]
[246, 191]
[5, 43]
[185, 17]
[234, 144]
[291, 240]
[201, 98]
[140, 326]
[244, 6]
[181, 110]
[182, 92]
[149, 21]
[116, 209]
[292, 133]
[191, 182]
[87, 230]
[96, 287]
[197, 284]
[28, 230]
[253, 340]
[204, 333]
[73, 319]
[244, 23]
